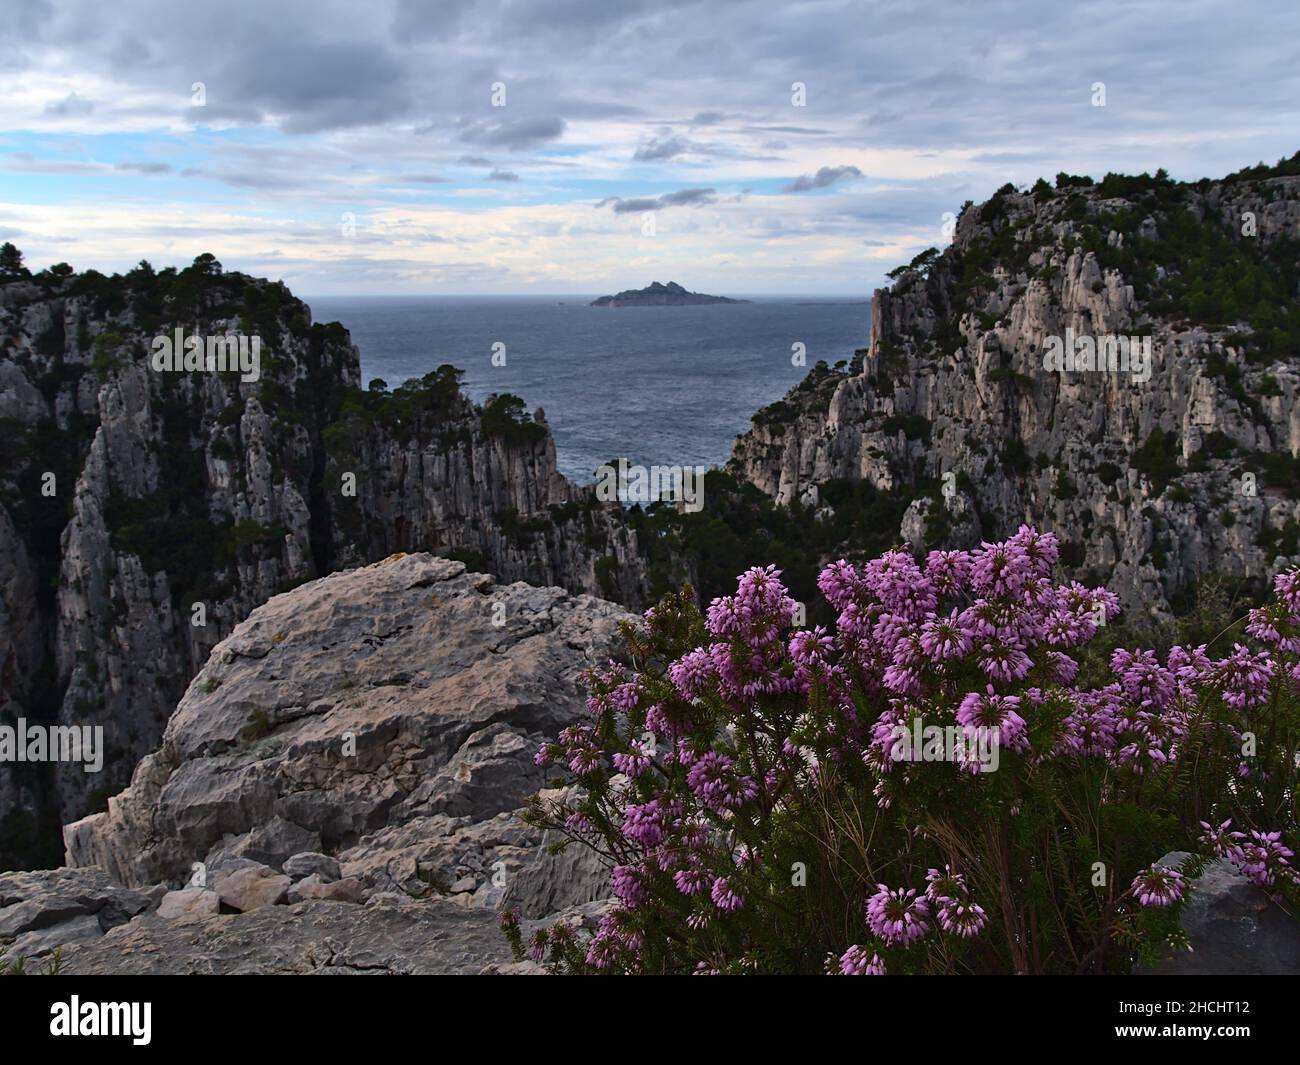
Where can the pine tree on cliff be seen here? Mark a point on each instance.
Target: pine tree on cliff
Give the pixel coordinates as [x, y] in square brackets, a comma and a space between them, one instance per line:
[11, 263]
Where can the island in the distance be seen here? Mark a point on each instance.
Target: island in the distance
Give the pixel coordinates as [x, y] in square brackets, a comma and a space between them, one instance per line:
[658, 295]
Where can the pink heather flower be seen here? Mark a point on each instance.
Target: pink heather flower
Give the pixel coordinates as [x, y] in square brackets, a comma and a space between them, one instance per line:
[644, 824]
[961, 917]
[1000, 569]
[1156, 886]
[995, 711]
[1244, 677]
[944, 638]
[1142, 678]
[633, 763]
[856, 962]
[948, 571]
[658, 722]
[691, 881]
[625, 696]
[603, 950]
[840, 584]
[712, 779]
[692, 672]
[1064, 628]
[1264, 858]
[944, 886]
[897, 917]
[808, 646]
[1287, 586]
[897, 581]
[1222, 841]
[537, 945]
[628, 886]
[1261, 625]
[1061, 667]
[1005, 662]
[724, 897]
[1042, 549]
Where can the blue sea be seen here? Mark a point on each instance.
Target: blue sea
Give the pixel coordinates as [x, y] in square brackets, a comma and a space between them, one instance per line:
[657, 385]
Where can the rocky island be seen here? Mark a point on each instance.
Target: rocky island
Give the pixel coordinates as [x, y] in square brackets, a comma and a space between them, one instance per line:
[660, 295]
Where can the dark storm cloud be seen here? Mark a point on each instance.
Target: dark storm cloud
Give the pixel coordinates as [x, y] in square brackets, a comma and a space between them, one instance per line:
[878, 74]
[826, 175]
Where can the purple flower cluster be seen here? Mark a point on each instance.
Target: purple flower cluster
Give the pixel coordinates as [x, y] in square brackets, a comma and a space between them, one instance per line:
[1262, 856]
[1156, 886]
[897, 916]
[979, 641]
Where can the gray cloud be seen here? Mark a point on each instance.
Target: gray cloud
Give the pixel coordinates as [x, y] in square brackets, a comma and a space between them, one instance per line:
[666, 147]
[513, 134]
[503, 175]
[72, 104]
[825, 176]
[146, 168]
[680, 198]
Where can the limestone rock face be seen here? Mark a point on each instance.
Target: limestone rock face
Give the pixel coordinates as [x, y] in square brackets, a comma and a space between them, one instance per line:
[390, 716]
[40, 911]
[145, 512]
[387, 936]
[1144, 478]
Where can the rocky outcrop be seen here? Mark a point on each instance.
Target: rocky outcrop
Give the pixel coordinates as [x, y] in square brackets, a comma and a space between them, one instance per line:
[43, 911]
[386, 717]
[1150, 480]
[342, 781]
[144, 512]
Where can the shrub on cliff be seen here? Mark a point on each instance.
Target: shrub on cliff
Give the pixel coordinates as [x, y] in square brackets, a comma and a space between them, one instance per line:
[926, 789]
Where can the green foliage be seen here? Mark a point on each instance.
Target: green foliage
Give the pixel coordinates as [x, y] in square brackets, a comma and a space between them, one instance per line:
[506, 417]
[741, 525]
[912, 426]
[11, 264]
[1158, 458]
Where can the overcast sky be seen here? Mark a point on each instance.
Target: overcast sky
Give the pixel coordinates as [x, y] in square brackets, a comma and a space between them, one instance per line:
[357, 148]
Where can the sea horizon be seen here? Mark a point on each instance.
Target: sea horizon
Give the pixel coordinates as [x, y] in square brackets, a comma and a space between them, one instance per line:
[675, 385]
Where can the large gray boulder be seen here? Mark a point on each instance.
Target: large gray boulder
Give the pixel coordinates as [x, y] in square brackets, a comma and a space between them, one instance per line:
[1234, 927]
[363, 746]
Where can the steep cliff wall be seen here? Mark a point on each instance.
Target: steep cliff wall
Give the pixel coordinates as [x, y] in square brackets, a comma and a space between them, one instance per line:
[1150, 479]
[145, 512]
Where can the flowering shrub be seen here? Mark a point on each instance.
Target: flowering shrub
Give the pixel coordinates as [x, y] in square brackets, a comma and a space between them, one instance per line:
[925, 789]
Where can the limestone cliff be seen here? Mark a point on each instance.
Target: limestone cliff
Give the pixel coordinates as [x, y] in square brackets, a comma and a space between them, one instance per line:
[144, 511]
[1150, 480]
